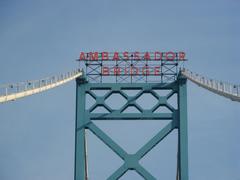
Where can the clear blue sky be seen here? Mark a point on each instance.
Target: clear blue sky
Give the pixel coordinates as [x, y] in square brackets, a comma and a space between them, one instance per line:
[42, 38]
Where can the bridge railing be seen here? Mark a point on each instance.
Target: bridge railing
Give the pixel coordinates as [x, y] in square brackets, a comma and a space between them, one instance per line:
[223, 88]
[16, 90]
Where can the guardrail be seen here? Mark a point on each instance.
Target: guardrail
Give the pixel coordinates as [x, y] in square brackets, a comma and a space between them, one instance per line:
[227, 90]
[10, 92]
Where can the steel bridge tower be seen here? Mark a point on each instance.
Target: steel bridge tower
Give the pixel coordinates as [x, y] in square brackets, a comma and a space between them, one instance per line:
[84, 121]
[177, 117]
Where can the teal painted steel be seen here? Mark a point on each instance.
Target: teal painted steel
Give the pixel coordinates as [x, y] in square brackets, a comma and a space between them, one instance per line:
[85, 117]
[183, 132]
[80, 145]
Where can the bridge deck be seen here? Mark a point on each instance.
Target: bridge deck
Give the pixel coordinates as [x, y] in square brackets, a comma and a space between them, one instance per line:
[227, 90]
[15, 91]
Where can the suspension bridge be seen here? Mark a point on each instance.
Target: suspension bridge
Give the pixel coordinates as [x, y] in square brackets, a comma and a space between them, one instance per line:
[172, 80]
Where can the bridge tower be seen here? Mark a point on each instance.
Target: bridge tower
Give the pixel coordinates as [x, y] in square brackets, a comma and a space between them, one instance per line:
[177, 120]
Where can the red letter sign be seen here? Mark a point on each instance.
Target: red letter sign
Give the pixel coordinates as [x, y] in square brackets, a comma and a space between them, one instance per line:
[181, 55]
[147, 56]
[158, 56]
[156, 70]
[136, 56]
[93, 55]
[145, 71]
[105, 56]
[170, 56]
[117, 71]
[105, 71]
[115, 56]
[82, 56]
[125, 55]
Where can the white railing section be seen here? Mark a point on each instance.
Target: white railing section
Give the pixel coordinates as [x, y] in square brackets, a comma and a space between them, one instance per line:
[227, 90]
[10, 92]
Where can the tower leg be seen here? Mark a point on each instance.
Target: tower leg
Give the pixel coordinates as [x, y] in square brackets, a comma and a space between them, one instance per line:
[80, 140]
[182, 131]
[80, 156]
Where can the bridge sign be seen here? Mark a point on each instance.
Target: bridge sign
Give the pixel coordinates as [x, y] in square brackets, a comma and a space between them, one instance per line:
[132, 66]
